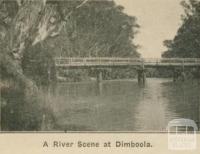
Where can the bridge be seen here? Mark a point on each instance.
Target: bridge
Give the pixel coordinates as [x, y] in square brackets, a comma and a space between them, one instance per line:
[116, 61]
[139, 63]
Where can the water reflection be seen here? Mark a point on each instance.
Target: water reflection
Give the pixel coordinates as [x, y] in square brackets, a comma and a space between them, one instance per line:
[123, 105]
[154, 108]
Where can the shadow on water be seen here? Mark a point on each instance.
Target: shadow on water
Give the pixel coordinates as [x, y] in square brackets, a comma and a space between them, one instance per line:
[154, 113]
[183, 99]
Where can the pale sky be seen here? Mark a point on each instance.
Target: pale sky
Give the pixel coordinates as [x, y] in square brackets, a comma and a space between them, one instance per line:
[159, 20]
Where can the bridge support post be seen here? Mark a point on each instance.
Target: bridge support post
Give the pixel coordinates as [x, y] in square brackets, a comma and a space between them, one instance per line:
[141, 76]
[179, 75]
[183, 76]
[99, 81]
[175, 75]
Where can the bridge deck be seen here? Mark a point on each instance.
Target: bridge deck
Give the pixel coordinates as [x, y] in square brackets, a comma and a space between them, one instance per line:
[110, 62]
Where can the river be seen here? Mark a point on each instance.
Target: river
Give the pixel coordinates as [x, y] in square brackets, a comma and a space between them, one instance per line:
[124, 105]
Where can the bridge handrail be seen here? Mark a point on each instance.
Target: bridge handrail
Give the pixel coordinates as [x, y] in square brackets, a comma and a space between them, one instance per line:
[119, 60]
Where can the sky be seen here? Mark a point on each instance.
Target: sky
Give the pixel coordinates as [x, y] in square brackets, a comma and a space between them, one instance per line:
[158, 19]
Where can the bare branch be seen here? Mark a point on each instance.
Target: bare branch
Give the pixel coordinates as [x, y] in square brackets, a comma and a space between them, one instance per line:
[83, 3]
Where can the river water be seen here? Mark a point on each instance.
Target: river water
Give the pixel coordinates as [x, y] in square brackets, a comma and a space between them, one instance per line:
[124, 105]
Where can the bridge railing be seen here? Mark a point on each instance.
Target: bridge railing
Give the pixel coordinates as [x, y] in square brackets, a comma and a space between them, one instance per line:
[97, 61]
[123, 61]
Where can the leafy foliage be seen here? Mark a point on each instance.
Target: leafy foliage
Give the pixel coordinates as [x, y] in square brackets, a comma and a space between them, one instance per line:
[33, 32]
[99, 28]
[187, 40]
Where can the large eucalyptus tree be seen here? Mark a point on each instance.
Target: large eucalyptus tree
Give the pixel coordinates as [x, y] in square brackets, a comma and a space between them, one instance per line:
[24, 24]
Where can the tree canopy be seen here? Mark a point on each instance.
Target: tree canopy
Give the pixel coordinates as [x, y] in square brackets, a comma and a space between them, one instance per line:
[99, 28]
[65, 28]
[186, 43]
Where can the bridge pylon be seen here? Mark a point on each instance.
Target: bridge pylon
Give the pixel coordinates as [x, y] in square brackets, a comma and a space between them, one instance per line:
[179, 74]
[141, 74]
[99, 75]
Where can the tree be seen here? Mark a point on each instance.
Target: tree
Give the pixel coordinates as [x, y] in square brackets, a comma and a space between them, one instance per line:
[30, 28]
[99, 28]
[187, 40]
[23, 25]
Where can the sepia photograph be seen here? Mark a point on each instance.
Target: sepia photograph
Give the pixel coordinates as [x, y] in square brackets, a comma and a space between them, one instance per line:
[99, 65]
